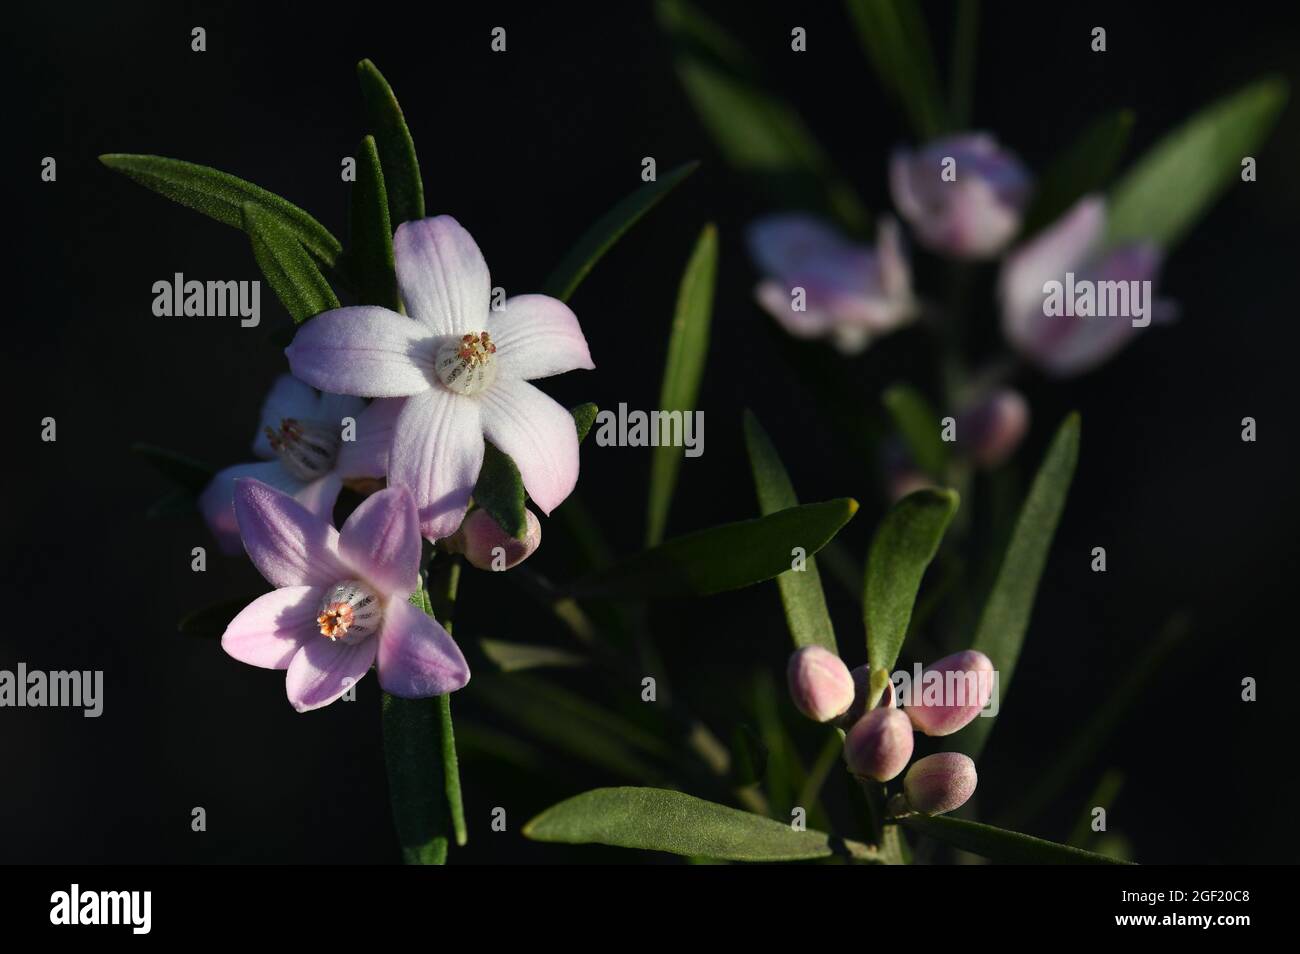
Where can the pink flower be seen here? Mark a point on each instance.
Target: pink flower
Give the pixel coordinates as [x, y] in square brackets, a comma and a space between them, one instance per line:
[340, 603]
[940, 783]
[488, 547]
[952, 693]
[990, 431]
[460, 370]
[850, 293]
[879, 744]
[1067, 344]
[971, 211]
[821, 686]
[300, 441]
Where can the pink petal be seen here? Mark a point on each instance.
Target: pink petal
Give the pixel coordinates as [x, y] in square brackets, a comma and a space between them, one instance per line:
[417, 657]
[437, 453]
[381, 540]
[217, 501]
[536, 337]
[289, 545]
[322, 670]
[288, 397]
[442, 275]
[271, 629]
[538, 434]
[784, 244]
[364, 350]
[367, 456]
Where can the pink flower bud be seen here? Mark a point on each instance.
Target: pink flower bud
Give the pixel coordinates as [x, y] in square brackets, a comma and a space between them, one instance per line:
[940, 783]
[989, 432]
[879, 744]
[963, 195]
[488, 547]
[951, 693]
[820, 683]
[861, 690]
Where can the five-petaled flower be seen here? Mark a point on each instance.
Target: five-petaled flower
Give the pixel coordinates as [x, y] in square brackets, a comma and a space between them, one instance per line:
[341, 600]
[459, 370]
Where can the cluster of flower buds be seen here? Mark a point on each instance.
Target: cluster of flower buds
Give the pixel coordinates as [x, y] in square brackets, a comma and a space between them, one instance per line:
[879, 737]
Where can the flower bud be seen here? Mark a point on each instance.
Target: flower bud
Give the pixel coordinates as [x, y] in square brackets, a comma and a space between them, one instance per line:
[989, 432]
[487, 546]
[879, 744]
[861, 694]
[963, 195]
[820, 683]
[951, 693]
[940, 783]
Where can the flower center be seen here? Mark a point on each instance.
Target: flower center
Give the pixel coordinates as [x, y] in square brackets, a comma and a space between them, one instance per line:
[307, 449]
[349, 612]
[468, 364]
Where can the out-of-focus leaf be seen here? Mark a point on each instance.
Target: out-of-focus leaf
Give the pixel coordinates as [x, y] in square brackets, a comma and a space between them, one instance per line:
[998, 844]
[801, 590]
[607, 230]
[896, 39]
[516, 657]
[222, 197]
[369, 258]
[1160, 198]
[760, 134]
[918, 426]
[289, 270]
[905, 543]
[725, 557]
[182, 470]
[654, 819]
[1084, 167]
[405, 190]
[1005, 619]
[688, 346]
[213, 620]
[965, 45]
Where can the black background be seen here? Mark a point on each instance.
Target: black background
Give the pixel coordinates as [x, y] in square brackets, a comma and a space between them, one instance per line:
[526, 149]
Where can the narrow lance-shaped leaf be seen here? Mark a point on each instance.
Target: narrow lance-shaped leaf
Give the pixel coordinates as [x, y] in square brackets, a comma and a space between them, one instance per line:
[725, 557]
[405, 191]
[918, 426]
[607, 230]
[517, 657]
[902, 548]
[998, 844]
[1161, 197]
[801, 590]
[289, 270]
[896, 39]
[222, 196]
[188, 473]
[688, 347]
[1084, 167]
[500, 488]
[655, 819]
[369, 258]
[1005, 618]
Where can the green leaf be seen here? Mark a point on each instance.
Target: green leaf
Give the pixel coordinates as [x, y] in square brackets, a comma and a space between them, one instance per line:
[725, 557]
[182, 470]
[655, 819]
[961, 80]
[500, 488]
[1084, 167]
[289, 270]
[600, 238]
[516, 657]
[759, 134]
[894, 34]
[1160, 198]
[222, 197]
[902, 548]
[1005, 618]
[688, 347]
[918, 425]
[801, 592]
[998, 844]
[369, 257]
[396, 148]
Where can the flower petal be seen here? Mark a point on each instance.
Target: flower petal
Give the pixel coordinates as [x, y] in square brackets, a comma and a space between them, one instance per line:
[367, 456]
[269, 631]
[289, 545]
[537, 336]
[785, 244]
[288, 398]
[442, 275]
[217, 501]
[417, 657]
[437, 453]
[381, 541]
[363, 350]
[322, 670]
[538, 434]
